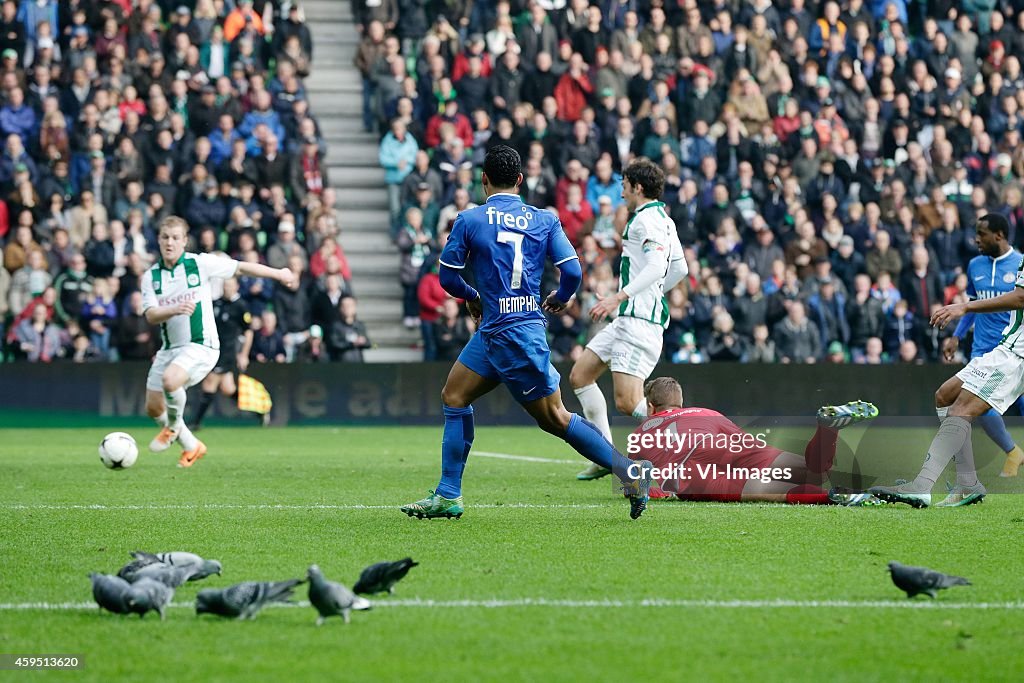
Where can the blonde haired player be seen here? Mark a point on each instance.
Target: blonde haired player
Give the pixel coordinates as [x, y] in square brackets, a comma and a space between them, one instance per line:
[652, 264]
[176, 296]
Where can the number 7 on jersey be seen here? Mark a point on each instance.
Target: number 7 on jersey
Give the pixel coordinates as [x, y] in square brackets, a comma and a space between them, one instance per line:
[516, 240]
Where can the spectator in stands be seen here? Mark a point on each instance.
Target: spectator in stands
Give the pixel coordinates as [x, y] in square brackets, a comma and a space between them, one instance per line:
[347, 337]
[207, 208]
[573, 89]
[451, 331]
[398, 154]
[425, 201]
[295, 307]
[134, 336]
[16, 117]
[99, 313]
[268, 342]
[797, 339]
[725, 344]
[286, 247]
[882, 257]
[415, 243]
[38, 339]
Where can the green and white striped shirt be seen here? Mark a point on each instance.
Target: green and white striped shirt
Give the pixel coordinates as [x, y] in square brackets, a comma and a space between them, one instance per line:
[1013, 333]
[650, 227]
[188, 280]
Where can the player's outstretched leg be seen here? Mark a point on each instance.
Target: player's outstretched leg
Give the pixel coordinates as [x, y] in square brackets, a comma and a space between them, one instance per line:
[588, 441]
[959, 496]
[952, 436]
[462, 388]
[583, 377]
[446, 500]
[595, 408]
[1014, 459]
[820, 453]
[434, 505]
[839, 417]
[994, 425]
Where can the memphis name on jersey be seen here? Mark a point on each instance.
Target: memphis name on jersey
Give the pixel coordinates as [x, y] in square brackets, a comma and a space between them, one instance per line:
[650, 228]
[506, 243]
[187, 281]
[989, 277]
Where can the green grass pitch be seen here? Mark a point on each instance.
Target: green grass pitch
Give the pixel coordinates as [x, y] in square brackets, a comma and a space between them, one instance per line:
[542, 581]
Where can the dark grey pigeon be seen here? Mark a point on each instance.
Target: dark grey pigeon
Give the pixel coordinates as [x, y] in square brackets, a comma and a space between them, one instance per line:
[110, 592]
[244, 600]
[331, 598]
[148, 594]
[916, 580]
[383, 576]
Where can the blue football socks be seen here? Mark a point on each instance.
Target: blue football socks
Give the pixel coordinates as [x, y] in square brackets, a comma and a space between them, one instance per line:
[994, 425]
[455, 445]
[587, 439]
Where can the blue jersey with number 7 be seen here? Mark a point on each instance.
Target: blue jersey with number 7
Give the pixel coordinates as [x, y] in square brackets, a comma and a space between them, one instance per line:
[505, 244]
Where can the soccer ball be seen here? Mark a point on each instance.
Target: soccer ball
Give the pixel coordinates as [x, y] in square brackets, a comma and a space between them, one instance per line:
[118, 450]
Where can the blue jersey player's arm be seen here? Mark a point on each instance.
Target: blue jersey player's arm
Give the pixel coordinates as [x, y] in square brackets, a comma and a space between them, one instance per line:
[968, 320]
[564, 257]
[452, 260]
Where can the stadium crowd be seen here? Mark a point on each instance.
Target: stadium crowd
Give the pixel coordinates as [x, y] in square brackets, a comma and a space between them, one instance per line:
[825, 161]
[117, 113]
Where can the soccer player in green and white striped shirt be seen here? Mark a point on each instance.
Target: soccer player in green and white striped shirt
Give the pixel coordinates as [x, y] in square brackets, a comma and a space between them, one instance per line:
[176, 296]
[652, 264]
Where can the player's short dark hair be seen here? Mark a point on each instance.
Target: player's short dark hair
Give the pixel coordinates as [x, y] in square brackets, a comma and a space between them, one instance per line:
[503, 166]
[646, 174]
[995, 222]
[664, 391]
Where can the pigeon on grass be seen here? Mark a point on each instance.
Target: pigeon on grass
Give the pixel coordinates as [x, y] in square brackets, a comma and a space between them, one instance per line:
[244, 600]
[381, 577]
[110, 592]
[148, 595]
[331, 598]
[172, 577]
[197, 567]
[916, 580]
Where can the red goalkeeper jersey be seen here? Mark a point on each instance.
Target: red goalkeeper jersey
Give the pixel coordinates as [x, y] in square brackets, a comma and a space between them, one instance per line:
[700, 452]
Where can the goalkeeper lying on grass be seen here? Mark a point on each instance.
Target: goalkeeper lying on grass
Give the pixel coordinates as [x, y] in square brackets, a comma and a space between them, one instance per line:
[699, 454]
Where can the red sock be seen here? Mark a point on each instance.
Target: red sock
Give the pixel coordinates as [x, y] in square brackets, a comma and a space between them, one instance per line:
[820, 453]
[807, 494]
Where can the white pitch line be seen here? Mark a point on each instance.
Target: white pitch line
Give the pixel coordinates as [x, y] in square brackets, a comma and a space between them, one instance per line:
[268, 506]
[523, 458]
[498, 603]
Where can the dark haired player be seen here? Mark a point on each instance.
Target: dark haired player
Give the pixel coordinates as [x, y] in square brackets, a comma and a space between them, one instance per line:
[505, 244]
[714, 459]
[652, 264]
[990, 381]
[990, 274]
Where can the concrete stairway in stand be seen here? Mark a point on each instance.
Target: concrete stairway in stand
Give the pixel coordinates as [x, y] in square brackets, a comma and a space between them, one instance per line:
[335, 93]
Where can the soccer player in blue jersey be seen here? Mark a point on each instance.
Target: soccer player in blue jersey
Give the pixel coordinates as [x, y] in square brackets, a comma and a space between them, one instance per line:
[992, 273]
[994, 380]
[505, 244]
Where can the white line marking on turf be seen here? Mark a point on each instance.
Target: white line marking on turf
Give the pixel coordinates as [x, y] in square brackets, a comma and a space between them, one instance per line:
[524, 458]
[269, 506]
[498, 603]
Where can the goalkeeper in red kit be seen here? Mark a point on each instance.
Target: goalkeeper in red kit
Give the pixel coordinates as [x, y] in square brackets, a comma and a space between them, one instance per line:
[699, 454]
